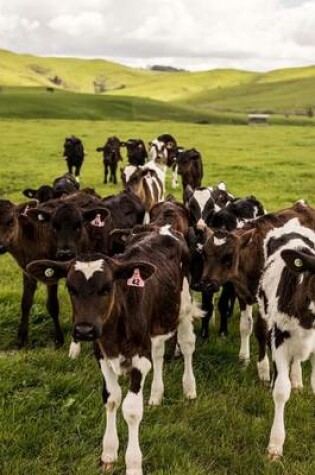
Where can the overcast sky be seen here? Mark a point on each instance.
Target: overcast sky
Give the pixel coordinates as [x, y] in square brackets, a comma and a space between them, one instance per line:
[195, 34]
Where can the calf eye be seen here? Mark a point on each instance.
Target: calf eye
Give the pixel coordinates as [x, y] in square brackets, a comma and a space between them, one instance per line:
[227, 260]
[10, 223]
[104, 290]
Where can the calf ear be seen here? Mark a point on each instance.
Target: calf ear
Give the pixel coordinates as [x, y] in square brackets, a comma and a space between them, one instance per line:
[47, 271]
[38, 215]
[30, 193]
[118, 237]
[298, 261]
[96, 216]
[126, 270]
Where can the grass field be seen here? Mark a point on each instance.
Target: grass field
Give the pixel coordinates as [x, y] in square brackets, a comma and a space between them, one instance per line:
[51, 414]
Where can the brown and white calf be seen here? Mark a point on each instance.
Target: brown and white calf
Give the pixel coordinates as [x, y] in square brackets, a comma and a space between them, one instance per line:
[163, 151]
[129, 306]
[238, 257]
[146, 184]
[287, 304]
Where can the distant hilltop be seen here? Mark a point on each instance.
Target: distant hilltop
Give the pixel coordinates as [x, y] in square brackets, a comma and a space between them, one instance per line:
[167, 69]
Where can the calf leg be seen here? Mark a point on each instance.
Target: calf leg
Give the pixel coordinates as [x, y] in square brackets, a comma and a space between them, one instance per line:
[105, 173]
[246, 328]
[113, 173]
[207, 306]
[53, 309]
[112, 400]
[313, 371]
[133, 412]
[174, 177]
[261, 332]
[281, 394]
[77, 173]
[296, 374]
[225, 306]
[75, 349]
[186, 339]
[29, 287]
[157, 353]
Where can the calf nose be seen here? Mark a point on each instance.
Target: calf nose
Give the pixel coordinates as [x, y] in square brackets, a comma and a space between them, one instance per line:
[86, 332]
[212, 286]
[3, 249]
[64, 254]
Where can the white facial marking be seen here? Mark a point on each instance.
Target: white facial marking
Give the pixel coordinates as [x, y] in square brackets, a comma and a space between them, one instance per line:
[199, 247]
[202, 196]
[201, 224]
[129, 171]
[89, 268]
[165, 231]
[222, 186]
[219, 242]
[312, 307]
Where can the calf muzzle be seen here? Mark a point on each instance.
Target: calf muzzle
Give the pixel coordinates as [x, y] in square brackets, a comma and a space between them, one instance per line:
[64, 254]
[211, 286]
[86, 332]
[3, 249]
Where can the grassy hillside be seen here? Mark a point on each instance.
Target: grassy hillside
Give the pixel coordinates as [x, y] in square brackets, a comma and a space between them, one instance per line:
[286, 90]
[51, 412]
[38, 103]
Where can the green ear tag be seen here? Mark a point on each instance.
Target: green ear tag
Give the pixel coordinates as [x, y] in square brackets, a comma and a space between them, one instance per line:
[49, 272]
[298, 263]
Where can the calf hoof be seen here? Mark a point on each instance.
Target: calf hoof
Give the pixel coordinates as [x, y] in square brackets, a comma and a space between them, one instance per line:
[59, 341]
[22, 340]
[274, 453]
[223, 335]
[244, 361]
[107, 466]
[155, 400]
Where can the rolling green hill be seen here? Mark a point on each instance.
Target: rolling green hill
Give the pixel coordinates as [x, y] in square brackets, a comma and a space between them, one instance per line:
[281, 91]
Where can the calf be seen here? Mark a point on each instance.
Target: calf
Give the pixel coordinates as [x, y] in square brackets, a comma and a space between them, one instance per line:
[136, 151]
[189, 163]
[287, 304]
[163, 151]
[238, 257]
[111, 157]
[64, 185]
[74, 155]
[146, 184]
[236, 213]
[129, 307]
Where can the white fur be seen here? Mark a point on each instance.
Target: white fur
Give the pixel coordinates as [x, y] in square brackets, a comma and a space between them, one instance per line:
[219, 242]
[201, 224]
[263, 369]
[165, 231]
[222, 186]
[110, 438]
[246, 328]
[157, 352]
[159, 170]
[174, 177]
[202, 196]
[89, 268]
[74, 350]
[129, 171]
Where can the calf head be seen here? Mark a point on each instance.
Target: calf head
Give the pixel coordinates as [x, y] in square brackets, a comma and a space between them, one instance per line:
[67, 223]
[303, 263]
[200, 205]
[91, 282]
[42, 194]
[8, 223]
[221, 253]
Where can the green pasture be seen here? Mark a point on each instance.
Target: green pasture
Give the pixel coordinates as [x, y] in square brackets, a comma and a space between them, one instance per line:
[51, 415]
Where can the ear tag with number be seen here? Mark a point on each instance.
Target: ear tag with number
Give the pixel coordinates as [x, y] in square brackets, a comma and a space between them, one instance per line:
[136, 279]
[49, 272]
[97, 221]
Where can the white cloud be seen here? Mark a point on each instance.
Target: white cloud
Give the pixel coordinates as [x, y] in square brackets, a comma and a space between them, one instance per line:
[249, 34]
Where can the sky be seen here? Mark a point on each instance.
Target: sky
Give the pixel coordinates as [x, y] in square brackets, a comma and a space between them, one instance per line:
[194, 34]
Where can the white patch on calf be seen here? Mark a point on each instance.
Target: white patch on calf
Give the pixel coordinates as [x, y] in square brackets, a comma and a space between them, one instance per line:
[202, 196]
[74, 350]
[201, 224]
[165, 231]
[97, 221]
[222, 186]
[312, 307]
[219, 242]
[129, 171]
[89, 268]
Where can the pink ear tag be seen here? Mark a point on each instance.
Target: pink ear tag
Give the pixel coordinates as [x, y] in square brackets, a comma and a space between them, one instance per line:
[25, 210]
[97, 221]
[136, 279]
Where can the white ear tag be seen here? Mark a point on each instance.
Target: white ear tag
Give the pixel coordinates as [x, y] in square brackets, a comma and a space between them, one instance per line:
[40, 217]
[97, 221]
[49, 272]
[136, 279]
[298, 263]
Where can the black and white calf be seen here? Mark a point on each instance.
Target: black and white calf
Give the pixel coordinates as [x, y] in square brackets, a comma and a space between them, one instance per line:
[163, 151]
[287, 302]
[129, 306]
